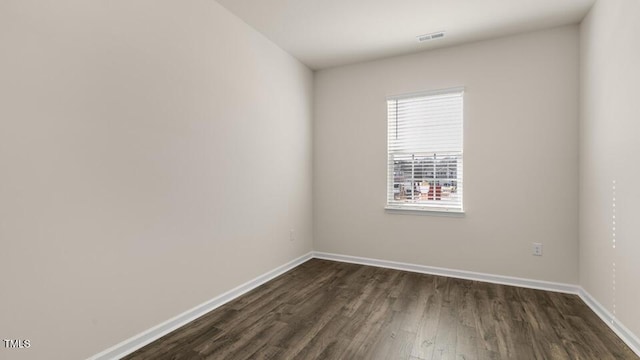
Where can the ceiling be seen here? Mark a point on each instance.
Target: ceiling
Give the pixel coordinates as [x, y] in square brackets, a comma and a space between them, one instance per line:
[326, 33]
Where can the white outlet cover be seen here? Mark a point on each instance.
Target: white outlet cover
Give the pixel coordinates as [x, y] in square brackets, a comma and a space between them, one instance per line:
[537, 249]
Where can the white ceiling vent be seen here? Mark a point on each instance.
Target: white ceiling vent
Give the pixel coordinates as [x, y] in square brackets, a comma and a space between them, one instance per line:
[432, 36]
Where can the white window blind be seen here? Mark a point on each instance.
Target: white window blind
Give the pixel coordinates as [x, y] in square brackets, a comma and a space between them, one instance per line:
[425, 139]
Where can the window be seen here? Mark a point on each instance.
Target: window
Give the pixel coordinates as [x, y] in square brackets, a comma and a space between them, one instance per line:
[425, 151]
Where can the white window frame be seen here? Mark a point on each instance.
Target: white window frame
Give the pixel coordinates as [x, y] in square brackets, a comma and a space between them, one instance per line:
[426, 207]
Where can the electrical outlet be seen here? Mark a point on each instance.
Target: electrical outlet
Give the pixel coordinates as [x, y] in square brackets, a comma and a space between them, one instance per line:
[291, 236]
[537, 249]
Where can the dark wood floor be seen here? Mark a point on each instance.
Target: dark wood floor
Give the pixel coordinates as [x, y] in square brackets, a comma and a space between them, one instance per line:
[330, 310]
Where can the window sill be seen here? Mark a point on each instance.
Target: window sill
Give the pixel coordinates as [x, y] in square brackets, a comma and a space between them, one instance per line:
[404, 210]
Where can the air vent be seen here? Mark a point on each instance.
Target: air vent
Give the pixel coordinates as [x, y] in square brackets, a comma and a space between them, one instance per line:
[432, 36]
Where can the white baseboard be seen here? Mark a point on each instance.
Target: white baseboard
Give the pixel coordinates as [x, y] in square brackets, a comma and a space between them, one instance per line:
[622, 331]
[136, 342]
[460, 274]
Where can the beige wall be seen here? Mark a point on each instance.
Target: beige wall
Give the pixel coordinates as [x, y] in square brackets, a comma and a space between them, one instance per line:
[153, 155]
[609, 148]
[521, 158]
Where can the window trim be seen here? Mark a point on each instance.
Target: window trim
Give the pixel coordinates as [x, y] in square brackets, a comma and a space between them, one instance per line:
[421, 209]
[427, 93]
[425, 210]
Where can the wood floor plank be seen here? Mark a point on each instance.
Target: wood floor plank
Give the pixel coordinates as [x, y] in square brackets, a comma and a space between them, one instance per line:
[487, 341]
[425, 335]
[330, 310]
[545, 342]
[446, 335]
[370, 319]
[466, 342]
